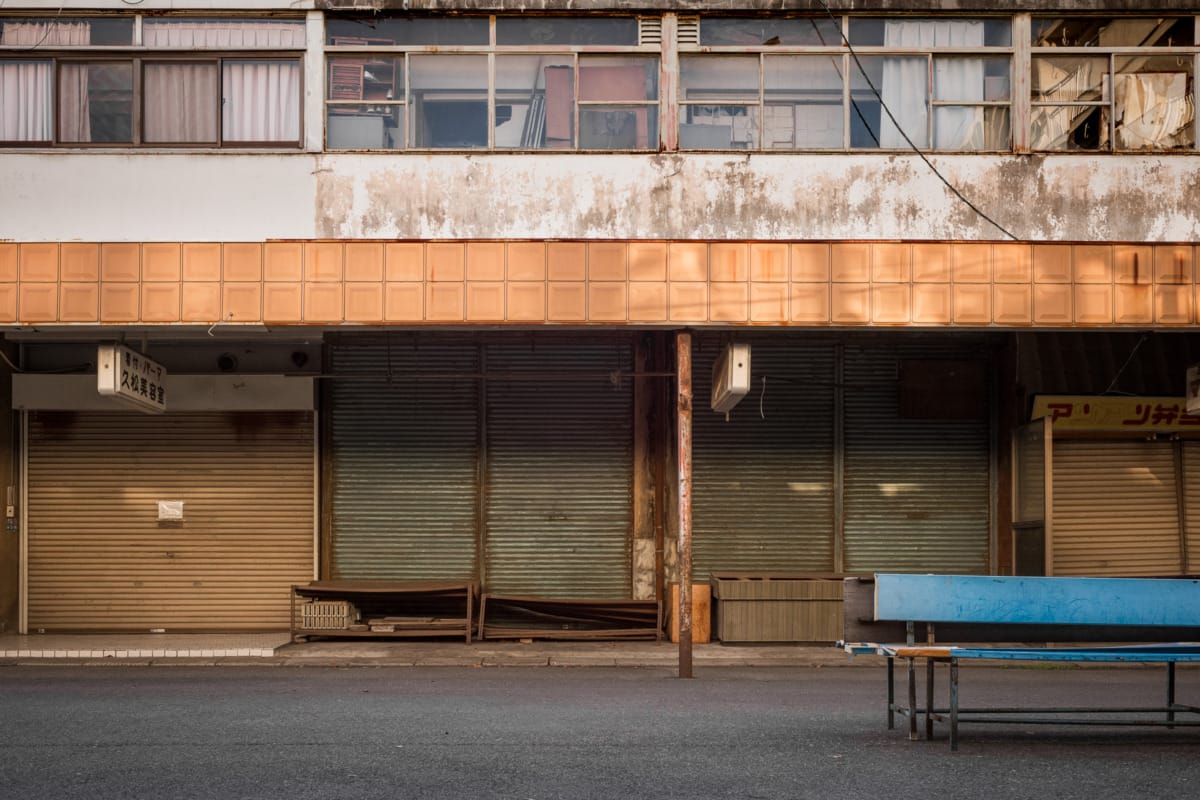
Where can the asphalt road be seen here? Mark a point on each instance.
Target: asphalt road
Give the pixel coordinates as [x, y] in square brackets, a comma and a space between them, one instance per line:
[261, 732]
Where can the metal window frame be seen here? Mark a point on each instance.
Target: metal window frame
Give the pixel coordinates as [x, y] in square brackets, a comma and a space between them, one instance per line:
[850, 68]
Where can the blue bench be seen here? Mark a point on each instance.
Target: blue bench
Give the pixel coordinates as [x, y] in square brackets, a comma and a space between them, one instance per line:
[1135, 604]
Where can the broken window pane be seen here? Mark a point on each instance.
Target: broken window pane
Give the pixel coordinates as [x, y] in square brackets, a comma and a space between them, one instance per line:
[1113, 32]
[1079, 84]
[1153, 106]
[535, 102]
[448, 100]
[768, 31]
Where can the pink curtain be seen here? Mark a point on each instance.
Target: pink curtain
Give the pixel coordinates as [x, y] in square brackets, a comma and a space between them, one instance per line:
[26, 113]
[223, 33]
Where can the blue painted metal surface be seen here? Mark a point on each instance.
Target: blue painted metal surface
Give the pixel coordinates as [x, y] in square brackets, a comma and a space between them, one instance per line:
[1037, 601]
[1156, 653]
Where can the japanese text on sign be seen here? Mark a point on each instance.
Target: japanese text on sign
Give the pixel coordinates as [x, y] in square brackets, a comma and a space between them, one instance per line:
[1115, 413]
[131, 377]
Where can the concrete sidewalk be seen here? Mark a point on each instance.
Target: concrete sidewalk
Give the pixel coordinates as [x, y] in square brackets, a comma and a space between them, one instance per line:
[276, 649]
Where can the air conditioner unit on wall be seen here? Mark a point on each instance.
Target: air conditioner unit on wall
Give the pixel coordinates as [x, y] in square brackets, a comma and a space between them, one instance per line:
[730, 377]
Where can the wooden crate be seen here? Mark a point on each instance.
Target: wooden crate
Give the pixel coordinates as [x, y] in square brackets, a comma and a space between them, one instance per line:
[772, 609]
[328, 615]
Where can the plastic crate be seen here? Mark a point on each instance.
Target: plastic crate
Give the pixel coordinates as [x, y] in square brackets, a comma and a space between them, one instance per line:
[328, 615]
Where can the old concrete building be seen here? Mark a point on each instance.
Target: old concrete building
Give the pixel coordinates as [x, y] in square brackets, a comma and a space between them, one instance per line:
[416, 272]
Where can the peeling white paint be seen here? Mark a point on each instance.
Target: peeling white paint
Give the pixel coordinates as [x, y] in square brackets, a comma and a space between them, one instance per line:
[252, 197]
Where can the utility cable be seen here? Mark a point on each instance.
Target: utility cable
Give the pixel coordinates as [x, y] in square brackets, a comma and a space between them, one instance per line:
[904, 133]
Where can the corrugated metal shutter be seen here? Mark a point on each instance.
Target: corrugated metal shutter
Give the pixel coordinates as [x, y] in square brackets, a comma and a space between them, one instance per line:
[917, 491]
[763, 481]
[98, 557]
[559, 470]
[404, 458]
[1115, 508]
[1191, 490]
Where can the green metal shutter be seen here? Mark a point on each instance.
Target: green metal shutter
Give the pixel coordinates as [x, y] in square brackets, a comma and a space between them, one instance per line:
[763, 480]
[917, 491]
[559, 508]
[405, 489]
[1116, 508]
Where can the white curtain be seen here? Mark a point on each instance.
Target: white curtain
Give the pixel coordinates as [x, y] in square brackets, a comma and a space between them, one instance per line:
[905, 89]
[227, 33]
[261, 101]
[180, 103]
[26, 113]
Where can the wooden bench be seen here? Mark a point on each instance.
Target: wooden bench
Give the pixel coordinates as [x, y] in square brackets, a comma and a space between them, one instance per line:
[1147, 607]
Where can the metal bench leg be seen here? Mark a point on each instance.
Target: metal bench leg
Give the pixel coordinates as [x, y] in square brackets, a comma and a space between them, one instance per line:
[929, 698]
[891, 692]
[1170, 692]
[912, 699]
[954, 704]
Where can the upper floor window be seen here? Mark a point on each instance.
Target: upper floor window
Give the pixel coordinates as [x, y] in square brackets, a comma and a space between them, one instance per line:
[1113, 83]
[87, 81]
[790, 84]
[499, 83]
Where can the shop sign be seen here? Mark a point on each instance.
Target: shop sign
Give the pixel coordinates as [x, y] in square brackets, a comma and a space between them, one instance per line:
[132, 378]
[1085, 413]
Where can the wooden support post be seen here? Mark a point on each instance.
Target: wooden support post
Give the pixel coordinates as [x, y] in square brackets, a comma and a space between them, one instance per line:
[683, 348]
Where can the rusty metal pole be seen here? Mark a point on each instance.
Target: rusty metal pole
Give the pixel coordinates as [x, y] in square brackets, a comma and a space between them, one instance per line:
[683, 348]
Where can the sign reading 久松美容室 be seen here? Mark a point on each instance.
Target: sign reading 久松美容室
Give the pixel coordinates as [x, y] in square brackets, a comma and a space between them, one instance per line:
[132, 378]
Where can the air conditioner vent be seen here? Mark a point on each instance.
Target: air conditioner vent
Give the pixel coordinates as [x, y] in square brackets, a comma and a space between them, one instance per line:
[689, 31]
[649, 30]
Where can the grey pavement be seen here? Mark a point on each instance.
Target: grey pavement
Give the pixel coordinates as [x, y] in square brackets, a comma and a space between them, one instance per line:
[92, 731]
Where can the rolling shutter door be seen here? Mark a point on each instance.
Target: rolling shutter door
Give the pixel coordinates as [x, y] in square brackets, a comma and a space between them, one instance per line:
[1115, 508]
[764, 480]
[99, 558]
[405, 487]
[917, 491]
[559, 508]
[1191, 489]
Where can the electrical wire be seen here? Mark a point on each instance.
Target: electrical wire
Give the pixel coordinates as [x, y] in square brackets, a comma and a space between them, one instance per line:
[979, 212]
[1128, 361]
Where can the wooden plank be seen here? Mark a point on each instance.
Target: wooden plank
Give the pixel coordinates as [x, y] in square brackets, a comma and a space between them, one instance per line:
[1045, 601]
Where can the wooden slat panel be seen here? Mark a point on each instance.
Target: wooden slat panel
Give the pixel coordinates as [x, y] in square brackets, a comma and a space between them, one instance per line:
[99, 558]
[1115, 508]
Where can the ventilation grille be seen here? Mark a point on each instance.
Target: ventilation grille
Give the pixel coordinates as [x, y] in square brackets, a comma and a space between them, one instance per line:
[649, 30]
[689, 31]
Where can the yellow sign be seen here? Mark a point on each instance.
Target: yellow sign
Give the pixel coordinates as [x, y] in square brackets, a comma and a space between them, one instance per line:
[1085, 413]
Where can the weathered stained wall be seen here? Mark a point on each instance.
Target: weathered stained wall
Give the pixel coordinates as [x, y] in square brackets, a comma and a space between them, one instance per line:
[218, 197]
[758, 197]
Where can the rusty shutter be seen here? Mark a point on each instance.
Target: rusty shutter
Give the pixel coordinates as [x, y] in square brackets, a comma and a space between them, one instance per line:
[763, 480]
[559, 476]
[403, 448]
[100, 559]
[917, 488]
[1116, 509]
